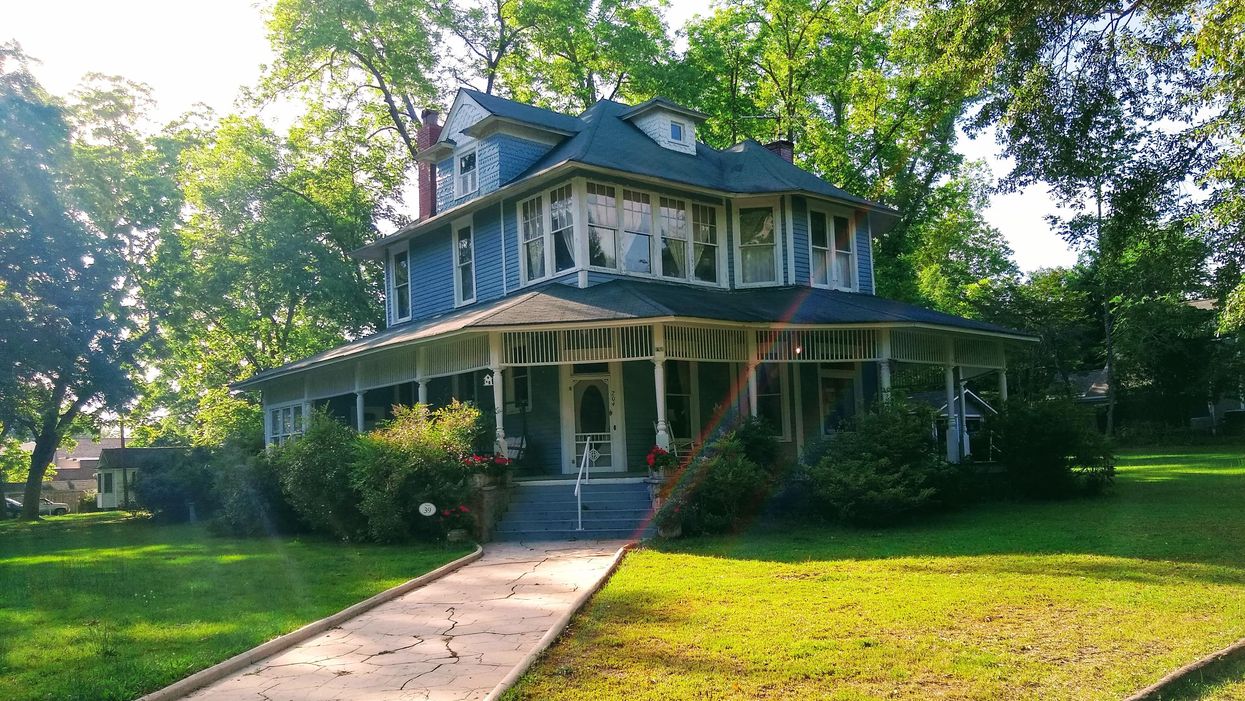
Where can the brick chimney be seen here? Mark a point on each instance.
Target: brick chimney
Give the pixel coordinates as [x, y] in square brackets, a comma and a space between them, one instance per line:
[429, 132]
[783, 148]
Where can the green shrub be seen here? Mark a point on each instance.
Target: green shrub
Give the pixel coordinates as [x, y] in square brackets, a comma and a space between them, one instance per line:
[417, 457]
[315, 472]
[167, 487]
[760, 444]
[248, 485]
[716, 492]
[1051, 449]
[887, 468]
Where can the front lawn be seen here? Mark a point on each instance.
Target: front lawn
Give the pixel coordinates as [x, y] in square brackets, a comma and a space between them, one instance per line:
[100, 606]
[1086, 599]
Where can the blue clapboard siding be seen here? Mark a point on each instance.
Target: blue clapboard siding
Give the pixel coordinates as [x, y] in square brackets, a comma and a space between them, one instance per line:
[799, 229]
[432, 291]
[542, 424]
[488, 243]
[515, 156]
[499, 159]
[864, 260]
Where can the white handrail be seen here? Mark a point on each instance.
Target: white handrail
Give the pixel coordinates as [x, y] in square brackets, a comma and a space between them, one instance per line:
[582, 476]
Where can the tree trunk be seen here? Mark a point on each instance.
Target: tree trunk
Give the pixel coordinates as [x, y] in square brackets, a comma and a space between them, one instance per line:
[1108, 324]
[40, 458]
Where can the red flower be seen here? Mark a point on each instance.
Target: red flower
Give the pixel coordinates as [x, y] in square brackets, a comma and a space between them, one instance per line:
[501, 460]
[445, 512]
[464, 509]
[650, 459]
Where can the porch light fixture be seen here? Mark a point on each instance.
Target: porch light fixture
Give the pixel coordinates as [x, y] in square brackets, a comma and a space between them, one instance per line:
[799, 350]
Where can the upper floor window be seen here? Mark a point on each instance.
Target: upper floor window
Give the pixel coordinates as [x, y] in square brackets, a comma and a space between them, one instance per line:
[637, 238]
[548, 244]
[758, 246]
[465, 181]
[602, 225]
[830, 237]
[676, 131]
[672, 223]
[400, 285]
[705, 243]
[464, 265]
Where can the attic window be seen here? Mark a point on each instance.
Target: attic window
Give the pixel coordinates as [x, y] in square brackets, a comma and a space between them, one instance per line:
[676, 131]
[465, 173]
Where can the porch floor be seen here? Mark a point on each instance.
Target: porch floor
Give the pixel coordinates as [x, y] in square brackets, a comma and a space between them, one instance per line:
[565, 477]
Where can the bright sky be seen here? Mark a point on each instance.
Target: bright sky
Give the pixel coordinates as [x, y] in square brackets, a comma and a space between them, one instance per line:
[191, 52]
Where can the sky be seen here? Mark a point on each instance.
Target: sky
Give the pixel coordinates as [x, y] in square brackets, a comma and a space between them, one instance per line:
[204, 52]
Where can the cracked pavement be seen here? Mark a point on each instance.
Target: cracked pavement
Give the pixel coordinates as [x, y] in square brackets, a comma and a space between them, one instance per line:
[451, 640]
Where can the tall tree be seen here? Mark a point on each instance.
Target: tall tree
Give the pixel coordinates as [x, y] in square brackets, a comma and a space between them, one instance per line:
[69, 343]
[489, 32]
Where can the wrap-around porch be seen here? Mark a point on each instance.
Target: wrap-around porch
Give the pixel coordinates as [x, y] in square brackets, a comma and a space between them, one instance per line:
[550, 389]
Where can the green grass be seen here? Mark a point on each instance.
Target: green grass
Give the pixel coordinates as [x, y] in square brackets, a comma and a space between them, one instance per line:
[1085, 599]
[100, 606]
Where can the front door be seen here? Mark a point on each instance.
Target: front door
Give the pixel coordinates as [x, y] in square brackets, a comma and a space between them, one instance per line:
[594, 421]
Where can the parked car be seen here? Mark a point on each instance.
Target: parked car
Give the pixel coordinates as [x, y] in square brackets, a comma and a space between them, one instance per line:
[47, 507]
[13, 506]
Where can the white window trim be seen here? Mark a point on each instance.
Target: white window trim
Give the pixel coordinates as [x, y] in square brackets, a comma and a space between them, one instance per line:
[393, 285]
[455, 227]
[737, 241]
[458, 156]
[784, 389]
[858, 391]
[682, 131]
[508, 374]
[853, 269]
[655, 197]
[272, 434]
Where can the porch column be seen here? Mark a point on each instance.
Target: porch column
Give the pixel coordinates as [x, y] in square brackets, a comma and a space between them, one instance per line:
[499, 399]
[659, 385]
[420, 380]
[953, 442]
[884, 364]
[423, 390]
[752, 372]
[1002, 387]
[358, 411]
[961, 413]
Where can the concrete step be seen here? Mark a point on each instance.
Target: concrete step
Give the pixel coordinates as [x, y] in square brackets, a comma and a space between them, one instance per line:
[570, 534]
[526, 525]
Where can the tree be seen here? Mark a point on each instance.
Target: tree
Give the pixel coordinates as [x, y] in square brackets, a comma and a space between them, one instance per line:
[490, 31]
[69, 342]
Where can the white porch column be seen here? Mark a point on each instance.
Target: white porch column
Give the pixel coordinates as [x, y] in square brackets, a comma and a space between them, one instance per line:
[1002, 386]
[423, 390]
[753, 362]
[499, 399]
[659, 385]
[358, 411]
[961, 412]
[884, 364]
[953, 442]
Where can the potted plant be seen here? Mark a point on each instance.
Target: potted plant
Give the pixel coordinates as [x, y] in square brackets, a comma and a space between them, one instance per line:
[458, 523]
[488, 470]
[661, 463]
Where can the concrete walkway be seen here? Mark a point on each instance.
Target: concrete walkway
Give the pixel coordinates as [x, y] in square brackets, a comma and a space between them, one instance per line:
[452, 640]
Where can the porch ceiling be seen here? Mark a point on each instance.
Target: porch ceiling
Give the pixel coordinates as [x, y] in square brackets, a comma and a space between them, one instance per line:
[622, 301]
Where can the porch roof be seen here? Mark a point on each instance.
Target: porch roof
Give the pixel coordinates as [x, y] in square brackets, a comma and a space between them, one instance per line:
[556, 303]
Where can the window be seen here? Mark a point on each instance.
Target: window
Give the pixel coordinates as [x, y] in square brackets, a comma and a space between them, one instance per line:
[819, 239]
[843, 253]
[757, 245]
[562, 225]
[680, 401]
[637, 247]
[518, 389]
[532, 228]
[602, 226]
[837, 397]
[464, 265]
[400, 286]
[771, 403]
[465, 173]
[676, 131]
[705, 242]
[284, 423]
[672, 221]
[108, 487]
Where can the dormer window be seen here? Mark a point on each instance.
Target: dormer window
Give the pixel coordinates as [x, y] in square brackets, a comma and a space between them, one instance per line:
[465, 181]
[676, 131]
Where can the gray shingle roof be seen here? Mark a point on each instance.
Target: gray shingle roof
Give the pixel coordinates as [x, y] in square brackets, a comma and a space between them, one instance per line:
[623, 300]
[528, 114]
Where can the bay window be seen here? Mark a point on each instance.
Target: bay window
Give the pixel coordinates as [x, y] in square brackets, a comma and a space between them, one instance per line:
[758, 246]
[672, 225]
[602, 226]
[832, 257]
[562, 227]
[548, 243]
[532, 229]
[842, 253]
[637, 247]
[705, 243]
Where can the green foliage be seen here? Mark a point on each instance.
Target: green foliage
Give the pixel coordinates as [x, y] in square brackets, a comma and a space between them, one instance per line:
[886, 469]
[1051, 449]
[316, 471]
[248, 485]
[167, 487]
[417, 457]
[722, 488]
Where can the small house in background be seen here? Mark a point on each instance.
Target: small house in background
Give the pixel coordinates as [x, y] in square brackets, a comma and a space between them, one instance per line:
[120, 468]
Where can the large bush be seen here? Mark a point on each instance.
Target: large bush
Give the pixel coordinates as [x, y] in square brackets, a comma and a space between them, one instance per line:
[249, 487]
[1051, 449]
[170, 481]
[415, 458]
[723, 487]
[885, 469]
[316, 477]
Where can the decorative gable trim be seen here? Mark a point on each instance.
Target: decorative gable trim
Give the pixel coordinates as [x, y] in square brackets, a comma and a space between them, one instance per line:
[465, 112]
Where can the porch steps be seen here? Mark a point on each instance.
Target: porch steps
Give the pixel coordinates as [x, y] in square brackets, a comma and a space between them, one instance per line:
[611, 510]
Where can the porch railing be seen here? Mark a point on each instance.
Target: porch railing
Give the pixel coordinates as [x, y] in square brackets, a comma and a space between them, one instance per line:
[580, 478]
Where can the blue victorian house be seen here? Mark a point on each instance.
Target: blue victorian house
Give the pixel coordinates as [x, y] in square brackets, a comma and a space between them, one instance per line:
[605, 282]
